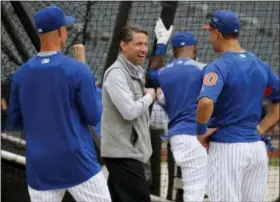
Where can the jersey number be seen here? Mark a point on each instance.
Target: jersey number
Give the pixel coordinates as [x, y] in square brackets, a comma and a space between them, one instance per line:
[210, 79]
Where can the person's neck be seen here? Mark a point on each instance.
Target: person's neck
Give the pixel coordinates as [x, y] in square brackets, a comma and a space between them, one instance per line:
[184, 56]
[47, 46]
[232, 46]
[128, 60]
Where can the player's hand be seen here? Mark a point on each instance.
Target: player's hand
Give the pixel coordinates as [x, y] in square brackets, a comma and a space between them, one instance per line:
[210, 131]
[150, 91]
[160, 96]
[162, 34]
[204, 140]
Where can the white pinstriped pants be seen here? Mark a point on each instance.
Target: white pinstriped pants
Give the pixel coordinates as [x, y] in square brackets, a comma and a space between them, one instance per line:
[191, 156]
[238, 172]
[94, 189]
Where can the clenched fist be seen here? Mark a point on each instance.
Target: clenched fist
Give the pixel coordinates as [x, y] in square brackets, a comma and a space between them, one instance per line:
[150, 91]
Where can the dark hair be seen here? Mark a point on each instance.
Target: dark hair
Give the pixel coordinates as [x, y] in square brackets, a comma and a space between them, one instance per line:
[230, 36]
[126, 34]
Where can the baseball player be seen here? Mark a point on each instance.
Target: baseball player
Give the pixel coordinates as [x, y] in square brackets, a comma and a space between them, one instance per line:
[232, 91]
[53, 97]
[181, 81]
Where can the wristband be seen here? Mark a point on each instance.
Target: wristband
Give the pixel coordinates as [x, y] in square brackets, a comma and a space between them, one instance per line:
[268, 144]
[201, 129]
[161, 49]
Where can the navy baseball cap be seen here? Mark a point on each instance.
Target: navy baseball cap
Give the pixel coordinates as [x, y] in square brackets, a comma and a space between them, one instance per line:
[51, 18]
[181, 39]
[224, 21]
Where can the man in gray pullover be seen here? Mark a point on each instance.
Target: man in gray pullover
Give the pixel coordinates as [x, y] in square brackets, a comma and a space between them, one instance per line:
[125, 138]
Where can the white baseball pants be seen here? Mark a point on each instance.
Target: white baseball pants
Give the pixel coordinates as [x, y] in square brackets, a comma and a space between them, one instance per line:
[191, 156]
[94, 189]
[238, 172]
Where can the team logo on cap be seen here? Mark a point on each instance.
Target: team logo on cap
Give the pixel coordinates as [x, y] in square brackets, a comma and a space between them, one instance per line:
[215, 20]
[210, 79]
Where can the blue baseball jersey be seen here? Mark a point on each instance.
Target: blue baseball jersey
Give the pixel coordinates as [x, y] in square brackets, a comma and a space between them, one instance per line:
[54, 98]
[180, 81]
[236, 82]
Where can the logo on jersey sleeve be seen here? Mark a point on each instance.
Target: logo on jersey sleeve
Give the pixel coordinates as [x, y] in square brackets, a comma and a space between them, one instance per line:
[210, 79]
[268, 91]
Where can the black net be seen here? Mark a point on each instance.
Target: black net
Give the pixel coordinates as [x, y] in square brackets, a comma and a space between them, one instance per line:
[146, 14]
[259, 27]
[95, 25]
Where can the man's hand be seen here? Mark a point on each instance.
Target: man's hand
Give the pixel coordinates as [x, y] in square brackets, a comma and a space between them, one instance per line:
[162, 34]
[160, 96]
[150, 91]
[4, 106]
[204, 139]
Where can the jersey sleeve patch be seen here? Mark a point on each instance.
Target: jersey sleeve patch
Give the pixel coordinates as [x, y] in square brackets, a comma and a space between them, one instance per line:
[267, 92]
[210, 79]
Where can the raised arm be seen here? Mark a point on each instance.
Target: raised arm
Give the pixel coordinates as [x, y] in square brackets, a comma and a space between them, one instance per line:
[157, 60]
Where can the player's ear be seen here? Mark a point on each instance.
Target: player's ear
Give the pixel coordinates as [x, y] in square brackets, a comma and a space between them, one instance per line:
[217, 33]
[62, 31]
[123, 46]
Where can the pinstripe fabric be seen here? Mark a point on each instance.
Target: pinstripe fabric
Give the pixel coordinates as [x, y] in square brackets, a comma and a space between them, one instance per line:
[237, 172]
[94, 189]
[192, 158]
[46, 196]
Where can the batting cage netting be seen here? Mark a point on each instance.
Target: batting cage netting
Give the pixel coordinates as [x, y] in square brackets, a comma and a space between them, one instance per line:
[98, 26]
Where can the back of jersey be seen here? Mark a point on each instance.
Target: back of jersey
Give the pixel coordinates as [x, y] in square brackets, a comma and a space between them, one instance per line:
[181, 81]
[56, 98]
[238, 92]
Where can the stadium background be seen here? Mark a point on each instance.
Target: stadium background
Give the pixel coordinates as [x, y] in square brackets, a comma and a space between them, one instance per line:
[98, 24]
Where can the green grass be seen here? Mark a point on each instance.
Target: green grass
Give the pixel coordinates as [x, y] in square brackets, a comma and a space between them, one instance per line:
[274, 162]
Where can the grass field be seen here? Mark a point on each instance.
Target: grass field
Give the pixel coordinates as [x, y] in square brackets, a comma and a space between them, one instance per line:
[274, 162]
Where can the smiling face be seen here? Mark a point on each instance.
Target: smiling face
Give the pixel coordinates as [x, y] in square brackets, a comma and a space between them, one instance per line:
[134, 45]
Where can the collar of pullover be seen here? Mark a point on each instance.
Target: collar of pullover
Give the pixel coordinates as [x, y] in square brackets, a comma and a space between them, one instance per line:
[135, 71]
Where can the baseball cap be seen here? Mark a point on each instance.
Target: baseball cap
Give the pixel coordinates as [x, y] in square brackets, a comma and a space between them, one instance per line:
[225, 21]
[181, 39]
[51, 18]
